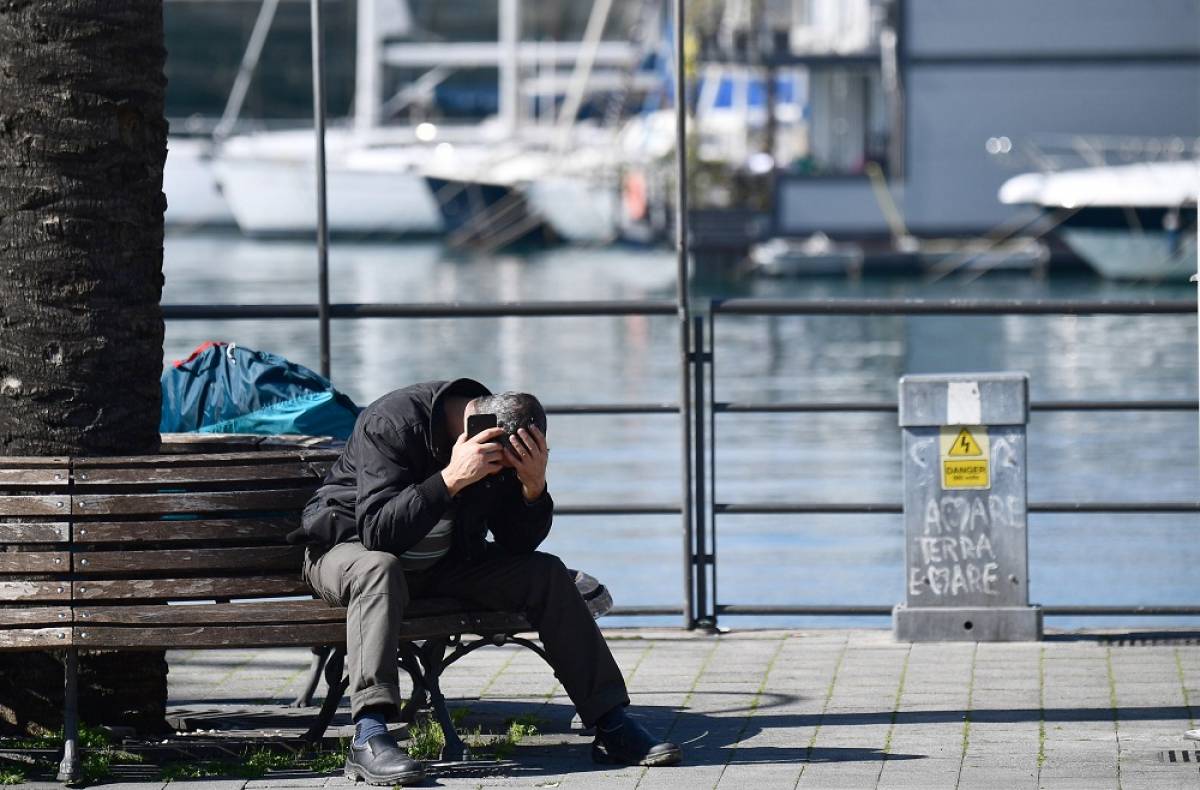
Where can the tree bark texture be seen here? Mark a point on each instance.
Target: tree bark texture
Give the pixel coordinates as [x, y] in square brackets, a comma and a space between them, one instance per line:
[82, 147]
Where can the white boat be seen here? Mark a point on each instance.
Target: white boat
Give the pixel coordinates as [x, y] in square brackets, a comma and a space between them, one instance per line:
[507, 196]
[1130, 221]
[269, 182]
[193, 197]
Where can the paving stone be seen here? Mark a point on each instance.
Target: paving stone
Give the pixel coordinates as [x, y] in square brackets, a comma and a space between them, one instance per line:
[743, 728]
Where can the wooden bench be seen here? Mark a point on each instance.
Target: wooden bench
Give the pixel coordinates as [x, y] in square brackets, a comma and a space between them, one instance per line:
[102, 553]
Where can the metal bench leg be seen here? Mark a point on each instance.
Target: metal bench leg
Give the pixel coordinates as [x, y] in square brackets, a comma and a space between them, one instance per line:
[319, 655]
[417, 700]
[410, 662]
[432, 654]
[69, 768]
[337, 686]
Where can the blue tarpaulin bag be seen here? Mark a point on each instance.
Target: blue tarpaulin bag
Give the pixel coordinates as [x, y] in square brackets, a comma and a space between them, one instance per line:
[225, 388]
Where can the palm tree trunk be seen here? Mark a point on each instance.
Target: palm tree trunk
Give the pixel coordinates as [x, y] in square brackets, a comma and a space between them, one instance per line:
[82, 146]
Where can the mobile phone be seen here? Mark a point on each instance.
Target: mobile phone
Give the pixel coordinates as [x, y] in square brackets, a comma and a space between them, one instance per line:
[479, 422]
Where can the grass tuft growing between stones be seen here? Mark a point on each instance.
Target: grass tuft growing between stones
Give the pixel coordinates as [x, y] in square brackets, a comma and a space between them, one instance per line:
[426, 741]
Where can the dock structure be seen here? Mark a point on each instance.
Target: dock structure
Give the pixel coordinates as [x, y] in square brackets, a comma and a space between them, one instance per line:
[786, 709]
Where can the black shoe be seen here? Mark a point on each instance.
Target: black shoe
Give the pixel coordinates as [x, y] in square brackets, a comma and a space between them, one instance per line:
[631, 744]
[382, 762]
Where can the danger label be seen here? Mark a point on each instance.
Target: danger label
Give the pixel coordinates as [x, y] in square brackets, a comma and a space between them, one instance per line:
[965, 446]
[965, 457]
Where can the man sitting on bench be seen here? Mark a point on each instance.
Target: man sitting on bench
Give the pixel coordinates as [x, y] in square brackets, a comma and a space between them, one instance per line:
[403, 514]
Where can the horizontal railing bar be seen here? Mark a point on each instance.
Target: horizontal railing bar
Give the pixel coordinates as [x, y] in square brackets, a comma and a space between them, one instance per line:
[1114, 405]
[883, 610]
[884, 407]
[791, 408]
[1108, 611]
[644, 611]
[212, 312]
[781, 609]
[1114, 507]
[797, 508]
[650, 509]
[836, 508]
[951, 306]
[613, 408]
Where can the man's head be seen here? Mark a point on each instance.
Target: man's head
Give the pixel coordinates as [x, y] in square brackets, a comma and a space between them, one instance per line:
[513, 410]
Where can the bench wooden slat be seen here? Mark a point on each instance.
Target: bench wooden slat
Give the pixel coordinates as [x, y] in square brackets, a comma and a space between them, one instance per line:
[34, 615]
[35, 477]
[34, 638]
[190, 502]
[265, 558]
[230, 614]
[262, 586]
[34, 591]
[187, 459]
[303, 634]
[185, 529]
[248, 474]
[33, 505]
[33, 461]
[35, 532]
[184, 637]
[27, 562]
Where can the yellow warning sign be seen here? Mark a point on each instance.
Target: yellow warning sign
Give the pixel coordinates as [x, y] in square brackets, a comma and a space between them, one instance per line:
[965, 457]
[965, 445]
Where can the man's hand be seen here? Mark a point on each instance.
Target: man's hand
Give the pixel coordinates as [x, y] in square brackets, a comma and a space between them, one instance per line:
[527, 453]
[473, 459]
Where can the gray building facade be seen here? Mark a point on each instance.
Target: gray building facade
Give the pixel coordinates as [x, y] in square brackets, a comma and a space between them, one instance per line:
[974, 70]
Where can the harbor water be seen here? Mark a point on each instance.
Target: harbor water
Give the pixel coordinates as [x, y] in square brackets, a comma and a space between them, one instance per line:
[1075, 559]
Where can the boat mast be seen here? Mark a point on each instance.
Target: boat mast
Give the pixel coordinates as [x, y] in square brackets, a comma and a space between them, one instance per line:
[249, 64]
[582, 72]
[368, 68]
[509, 38]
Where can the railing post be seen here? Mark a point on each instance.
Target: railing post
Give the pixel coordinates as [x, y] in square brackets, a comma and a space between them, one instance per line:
[682, 284]
[704, 612]
[318, 76]
[709, 404]
[689, 558]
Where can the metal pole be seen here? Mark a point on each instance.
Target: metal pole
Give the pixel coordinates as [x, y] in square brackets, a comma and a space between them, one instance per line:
[68, 769]
[318, 70]
[681, 290]
[704, 614]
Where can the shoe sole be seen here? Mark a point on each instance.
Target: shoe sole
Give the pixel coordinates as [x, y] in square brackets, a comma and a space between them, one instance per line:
[673, 757]
[410, 777]
[666, 758]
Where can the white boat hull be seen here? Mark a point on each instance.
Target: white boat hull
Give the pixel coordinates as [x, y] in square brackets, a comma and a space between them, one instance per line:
[277, 197]
[579, 210]
[193, 197]
[1122, 254]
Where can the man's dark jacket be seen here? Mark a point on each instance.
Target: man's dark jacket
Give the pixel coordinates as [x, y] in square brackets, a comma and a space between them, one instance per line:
[386, 489]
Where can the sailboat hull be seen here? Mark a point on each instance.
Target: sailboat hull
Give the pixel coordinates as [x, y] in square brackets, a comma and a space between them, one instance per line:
[278, 198]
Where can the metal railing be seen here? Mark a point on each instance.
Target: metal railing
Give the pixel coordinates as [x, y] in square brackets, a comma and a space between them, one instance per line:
[572, 309]
[699, 512]
[706, 604]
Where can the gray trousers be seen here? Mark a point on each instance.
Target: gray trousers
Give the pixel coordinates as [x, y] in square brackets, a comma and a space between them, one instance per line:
[375, 591]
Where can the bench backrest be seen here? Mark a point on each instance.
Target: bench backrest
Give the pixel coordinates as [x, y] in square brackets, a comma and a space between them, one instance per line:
[92, 548]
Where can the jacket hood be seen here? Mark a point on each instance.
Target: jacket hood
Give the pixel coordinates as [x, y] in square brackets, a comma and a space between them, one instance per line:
[443, 390]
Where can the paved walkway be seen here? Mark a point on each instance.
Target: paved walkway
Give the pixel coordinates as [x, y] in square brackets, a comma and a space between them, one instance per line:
[789, 709]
